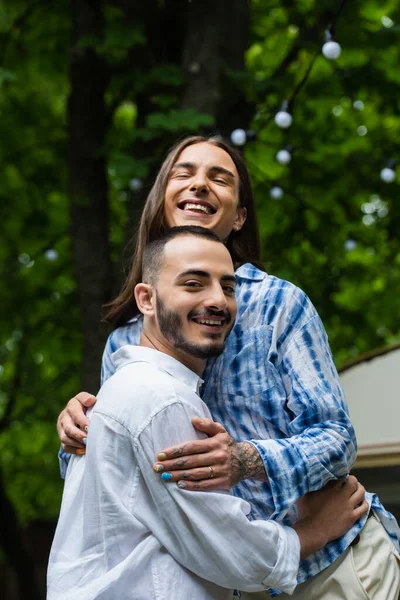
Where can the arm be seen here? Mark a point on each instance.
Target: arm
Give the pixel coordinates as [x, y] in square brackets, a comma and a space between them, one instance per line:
[72, 423]
[209, 533]
[320, 443]
[319, 440]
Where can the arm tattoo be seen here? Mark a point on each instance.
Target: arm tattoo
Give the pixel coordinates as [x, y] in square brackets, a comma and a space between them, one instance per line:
[246, 462]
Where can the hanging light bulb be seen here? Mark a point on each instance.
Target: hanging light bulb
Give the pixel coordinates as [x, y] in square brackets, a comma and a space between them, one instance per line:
[239, 137]
[283, 157]
[51, 254]
[283, 119]
[135, 184]
[276, 192]
[388, 175]
[331, 49]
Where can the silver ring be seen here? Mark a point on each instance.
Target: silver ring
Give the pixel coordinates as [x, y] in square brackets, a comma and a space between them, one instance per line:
[211, 472]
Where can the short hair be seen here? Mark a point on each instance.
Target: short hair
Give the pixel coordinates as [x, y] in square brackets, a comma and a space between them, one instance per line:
[153, 252]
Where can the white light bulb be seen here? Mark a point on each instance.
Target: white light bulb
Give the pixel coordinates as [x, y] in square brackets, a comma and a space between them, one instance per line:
[284, 157]
[276, 192]
[350, 245]
[283, 119]
[331, 50]
[51, 254]
[239, 137]
[135, 184]
[388, 175]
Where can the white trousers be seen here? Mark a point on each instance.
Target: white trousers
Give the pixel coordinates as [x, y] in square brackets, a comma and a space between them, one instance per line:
[369, 570]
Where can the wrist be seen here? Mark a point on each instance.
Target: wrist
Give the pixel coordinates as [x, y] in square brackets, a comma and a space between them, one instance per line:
[311, 538]
[247, 462]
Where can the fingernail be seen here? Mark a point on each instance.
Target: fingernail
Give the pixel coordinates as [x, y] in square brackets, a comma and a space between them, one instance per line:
[161, 456]
[84, 441]
[81, 451]
[158, 468]
[166, 476]
[86, 428]
[181, 484]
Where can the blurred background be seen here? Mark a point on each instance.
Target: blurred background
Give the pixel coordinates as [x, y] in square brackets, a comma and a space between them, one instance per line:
[92, 95]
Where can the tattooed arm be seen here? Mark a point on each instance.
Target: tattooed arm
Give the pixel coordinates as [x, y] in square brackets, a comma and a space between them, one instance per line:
[217, 462]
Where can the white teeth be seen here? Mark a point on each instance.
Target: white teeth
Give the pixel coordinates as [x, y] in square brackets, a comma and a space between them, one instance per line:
[201, 207]
[209, 322]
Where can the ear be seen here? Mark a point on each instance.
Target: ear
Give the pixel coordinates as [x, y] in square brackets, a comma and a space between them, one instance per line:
[241, 215]
[145, 298]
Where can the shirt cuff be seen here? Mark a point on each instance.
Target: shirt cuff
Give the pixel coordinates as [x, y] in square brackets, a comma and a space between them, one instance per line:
[284, 574]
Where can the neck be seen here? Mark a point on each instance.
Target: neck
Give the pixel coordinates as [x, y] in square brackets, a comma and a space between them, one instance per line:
[155, 340]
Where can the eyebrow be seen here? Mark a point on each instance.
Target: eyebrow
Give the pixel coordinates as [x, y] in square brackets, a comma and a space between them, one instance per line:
[206, 275]
[215, 168]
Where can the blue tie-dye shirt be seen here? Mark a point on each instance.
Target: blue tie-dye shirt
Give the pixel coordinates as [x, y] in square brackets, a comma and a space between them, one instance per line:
[276, 385]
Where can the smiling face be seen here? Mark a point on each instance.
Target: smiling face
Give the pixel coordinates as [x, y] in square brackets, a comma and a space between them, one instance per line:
[203, 189]
[192, 306]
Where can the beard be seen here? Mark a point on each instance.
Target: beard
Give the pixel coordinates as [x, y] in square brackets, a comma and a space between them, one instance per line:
[171, 325]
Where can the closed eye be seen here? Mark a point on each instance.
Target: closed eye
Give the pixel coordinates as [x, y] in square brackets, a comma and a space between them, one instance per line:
[192, 284]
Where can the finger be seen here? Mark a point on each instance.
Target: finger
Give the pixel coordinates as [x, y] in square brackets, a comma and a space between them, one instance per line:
[208, 426]
[186, 462]
[73, 449]
[358, 497]
[361, 510]
[192, 475]
[72, 436]
[205, 485]
[351, 484]
[197, 447]
[87, 400]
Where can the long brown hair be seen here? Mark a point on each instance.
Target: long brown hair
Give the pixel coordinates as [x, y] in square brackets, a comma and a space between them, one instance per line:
[243, 245]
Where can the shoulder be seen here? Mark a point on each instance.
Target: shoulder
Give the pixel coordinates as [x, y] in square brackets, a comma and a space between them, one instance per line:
[138, 391]
[125, 334]
[275, 300]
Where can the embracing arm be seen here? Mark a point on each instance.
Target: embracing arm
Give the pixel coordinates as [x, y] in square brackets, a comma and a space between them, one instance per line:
[209, 533]
[72, 422]
[320, 443]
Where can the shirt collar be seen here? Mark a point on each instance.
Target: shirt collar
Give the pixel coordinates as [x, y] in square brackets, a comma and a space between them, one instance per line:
[130, 354]
[249, 271]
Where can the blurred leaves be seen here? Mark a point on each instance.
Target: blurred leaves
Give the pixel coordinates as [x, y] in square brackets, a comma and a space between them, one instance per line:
[322, 234]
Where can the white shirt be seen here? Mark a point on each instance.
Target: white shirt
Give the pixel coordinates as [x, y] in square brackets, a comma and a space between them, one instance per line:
[125, 534]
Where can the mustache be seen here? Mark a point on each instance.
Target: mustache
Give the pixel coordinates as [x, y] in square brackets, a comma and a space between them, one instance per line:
[209, 314]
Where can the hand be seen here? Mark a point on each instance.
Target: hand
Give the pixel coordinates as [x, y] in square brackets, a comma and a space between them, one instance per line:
[215, 463]
[72, 424]
[329, 513]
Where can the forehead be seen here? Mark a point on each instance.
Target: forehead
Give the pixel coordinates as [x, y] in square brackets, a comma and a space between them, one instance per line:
[207, 155]
[189, 252]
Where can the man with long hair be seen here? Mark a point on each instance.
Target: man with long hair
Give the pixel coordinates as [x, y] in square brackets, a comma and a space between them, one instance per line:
[281, 426]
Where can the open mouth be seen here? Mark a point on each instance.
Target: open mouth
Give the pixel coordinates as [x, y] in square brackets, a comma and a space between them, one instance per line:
[200, 208]
[213, 324]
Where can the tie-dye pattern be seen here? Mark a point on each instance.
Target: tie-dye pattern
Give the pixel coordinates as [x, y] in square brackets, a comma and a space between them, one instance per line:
[276, 385]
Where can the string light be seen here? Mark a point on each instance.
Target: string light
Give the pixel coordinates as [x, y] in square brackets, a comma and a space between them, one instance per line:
[276, 192]
[283, 157]
[51, 254]
[283, 119]
[388, 175]
[135, 184]
[238, 137]
[331, 49]
[350, 245]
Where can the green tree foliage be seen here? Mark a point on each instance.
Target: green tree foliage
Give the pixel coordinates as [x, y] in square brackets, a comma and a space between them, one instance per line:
[335, 231]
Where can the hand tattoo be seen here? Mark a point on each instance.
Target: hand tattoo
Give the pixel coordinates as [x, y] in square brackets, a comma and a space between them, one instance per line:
[246, 462]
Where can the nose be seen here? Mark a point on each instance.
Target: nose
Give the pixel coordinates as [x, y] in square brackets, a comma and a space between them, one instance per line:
[199, 183]
[216, 300]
